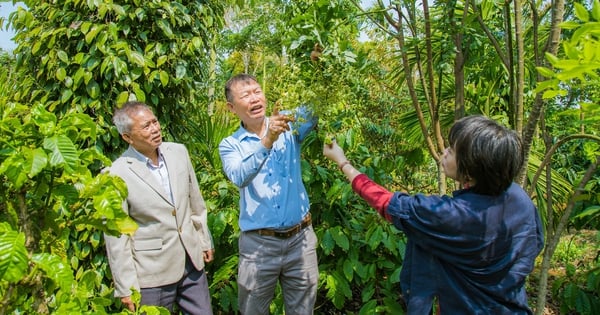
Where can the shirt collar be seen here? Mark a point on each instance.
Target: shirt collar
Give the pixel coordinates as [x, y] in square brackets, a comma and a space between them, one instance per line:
[244, 133]
[142, 158]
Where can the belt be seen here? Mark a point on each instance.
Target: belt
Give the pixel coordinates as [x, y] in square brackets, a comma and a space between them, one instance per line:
[289, 232]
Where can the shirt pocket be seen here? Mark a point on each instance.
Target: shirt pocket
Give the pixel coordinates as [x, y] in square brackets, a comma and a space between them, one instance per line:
[148, 244]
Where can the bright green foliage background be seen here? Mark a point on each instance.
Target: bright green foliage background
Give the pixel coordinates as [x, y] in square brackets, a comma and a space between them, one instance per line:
[77, 60]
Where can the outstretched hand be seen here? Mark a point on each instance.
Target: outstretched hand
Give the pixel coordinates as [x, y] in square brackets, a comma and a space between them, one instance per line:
[334, 152]
[278, 124]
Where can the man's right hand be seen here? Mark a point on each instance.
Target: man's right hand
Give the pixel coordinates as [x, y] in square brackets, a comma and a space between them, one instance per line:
[128, 303]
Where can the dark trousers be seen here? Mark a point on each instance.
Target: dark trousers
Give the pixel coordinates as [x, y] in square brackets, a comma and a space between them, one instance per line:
[191, 293]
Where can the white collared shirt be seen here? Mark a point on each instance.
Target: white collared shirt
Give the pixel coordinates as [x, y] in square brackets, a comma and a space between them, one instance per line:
[160, 172]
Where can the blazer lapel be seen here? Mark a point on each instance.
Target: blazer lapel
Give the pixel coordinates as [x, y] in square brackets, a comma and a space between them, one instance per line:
[140, 169]
[174, 164]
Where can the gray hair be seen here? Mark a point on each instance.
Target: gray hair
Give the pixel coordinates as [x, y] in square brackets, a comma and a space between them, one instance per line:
[122, 116]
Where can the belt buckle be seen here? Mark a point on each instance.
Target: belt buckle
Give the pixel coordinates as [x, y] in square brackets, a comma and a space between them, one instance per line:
[289, 232]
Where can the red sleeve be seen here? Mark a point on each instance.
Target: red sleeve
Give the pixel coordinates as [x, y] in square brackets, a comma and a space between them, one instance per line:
[375, 195]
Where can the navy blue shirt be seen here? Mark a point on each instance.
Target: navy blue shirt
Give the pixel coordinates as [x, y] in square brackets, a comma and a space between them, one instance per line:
[473, 252]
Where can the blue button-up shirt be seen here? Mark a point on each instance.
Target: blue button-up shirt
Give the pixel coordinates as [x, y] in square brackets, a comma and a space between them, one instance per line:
[272, 194]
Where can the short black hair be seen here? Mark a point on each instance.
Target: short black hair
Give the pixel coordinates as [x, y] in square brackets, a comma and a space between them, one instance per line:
[243, 77]
[487, 152]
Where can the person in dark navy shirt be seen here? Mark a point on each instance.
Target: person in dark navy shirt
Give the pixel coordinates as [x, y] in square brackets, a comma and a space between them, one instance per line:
[471, 251]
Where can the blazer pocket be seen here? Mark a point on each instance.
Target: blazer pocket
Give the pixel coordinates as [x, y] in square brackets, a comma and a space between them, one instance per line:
[148, 244]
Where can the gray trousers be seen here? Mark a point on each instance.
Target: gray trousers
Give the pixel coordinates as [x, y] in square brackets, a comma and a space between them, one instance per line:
[191, 293]
[266, 260]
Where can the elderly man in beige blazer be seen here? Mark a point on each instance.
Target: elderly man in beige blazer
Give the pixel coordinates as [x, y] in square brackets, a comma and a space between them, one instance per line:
[165, 257]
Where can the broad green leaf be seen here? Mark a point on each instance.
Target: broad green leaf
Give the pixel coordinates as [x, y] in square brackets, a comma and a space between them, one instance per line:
[554, 61]
[12, 168]
[368, 308]
[122, 98]
[581, 12]
[13, 254]
[395, 276]
[374, 238]
[553, 93]
[165, 27]
[62, 152]
[139, 93]
[45, 120]
[78, 126]
[348, 268]
[340, 238]
[61, 73]
[36, 161]
[591, 211]
[180, 71]
[74, 262]
[136, 57]
[36, 47]
[164, 78]
[62, 55]
[118, 9]
[66, 95]
[546, 72]
[93, 89]
[596, 10]
[161, 60]
[327, 243]
[91, 35]
[569, 25]
[55, 269]
[367, 292]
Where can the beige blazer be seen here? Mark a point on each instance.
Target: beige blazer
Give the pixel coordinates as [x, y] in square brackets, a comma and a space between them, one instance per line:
[155, 254]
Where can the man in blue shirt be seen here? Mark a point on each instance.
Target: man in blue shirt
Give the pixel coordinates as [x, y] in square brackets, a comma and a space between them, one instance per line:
[277, 241]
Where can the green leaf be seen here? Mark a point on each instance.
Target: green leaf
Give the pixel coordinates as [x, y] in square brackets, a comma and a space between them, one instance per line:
[340, 238]
[161, 60]
[43, 119]
[62, 152]
[93, 89]
[13, 254]
[91, 35]
[122, 98]
[581, 12]
[165, 27]
[12, 168]
[61, 74]
[348, 268]
[327, 243]
[136, 57]
[596, 10]
[36, 161]
[164, 78]
[546, 72]
[139, 93]
[180, 71]
[62, 55]
[66, 95]
[55, 269]
[590, 211]
[367, 308]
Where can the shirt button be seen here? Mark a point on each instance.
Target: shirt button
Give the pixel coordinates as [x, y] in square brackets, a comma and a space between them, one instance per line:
[180, 229]
[174, 212]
